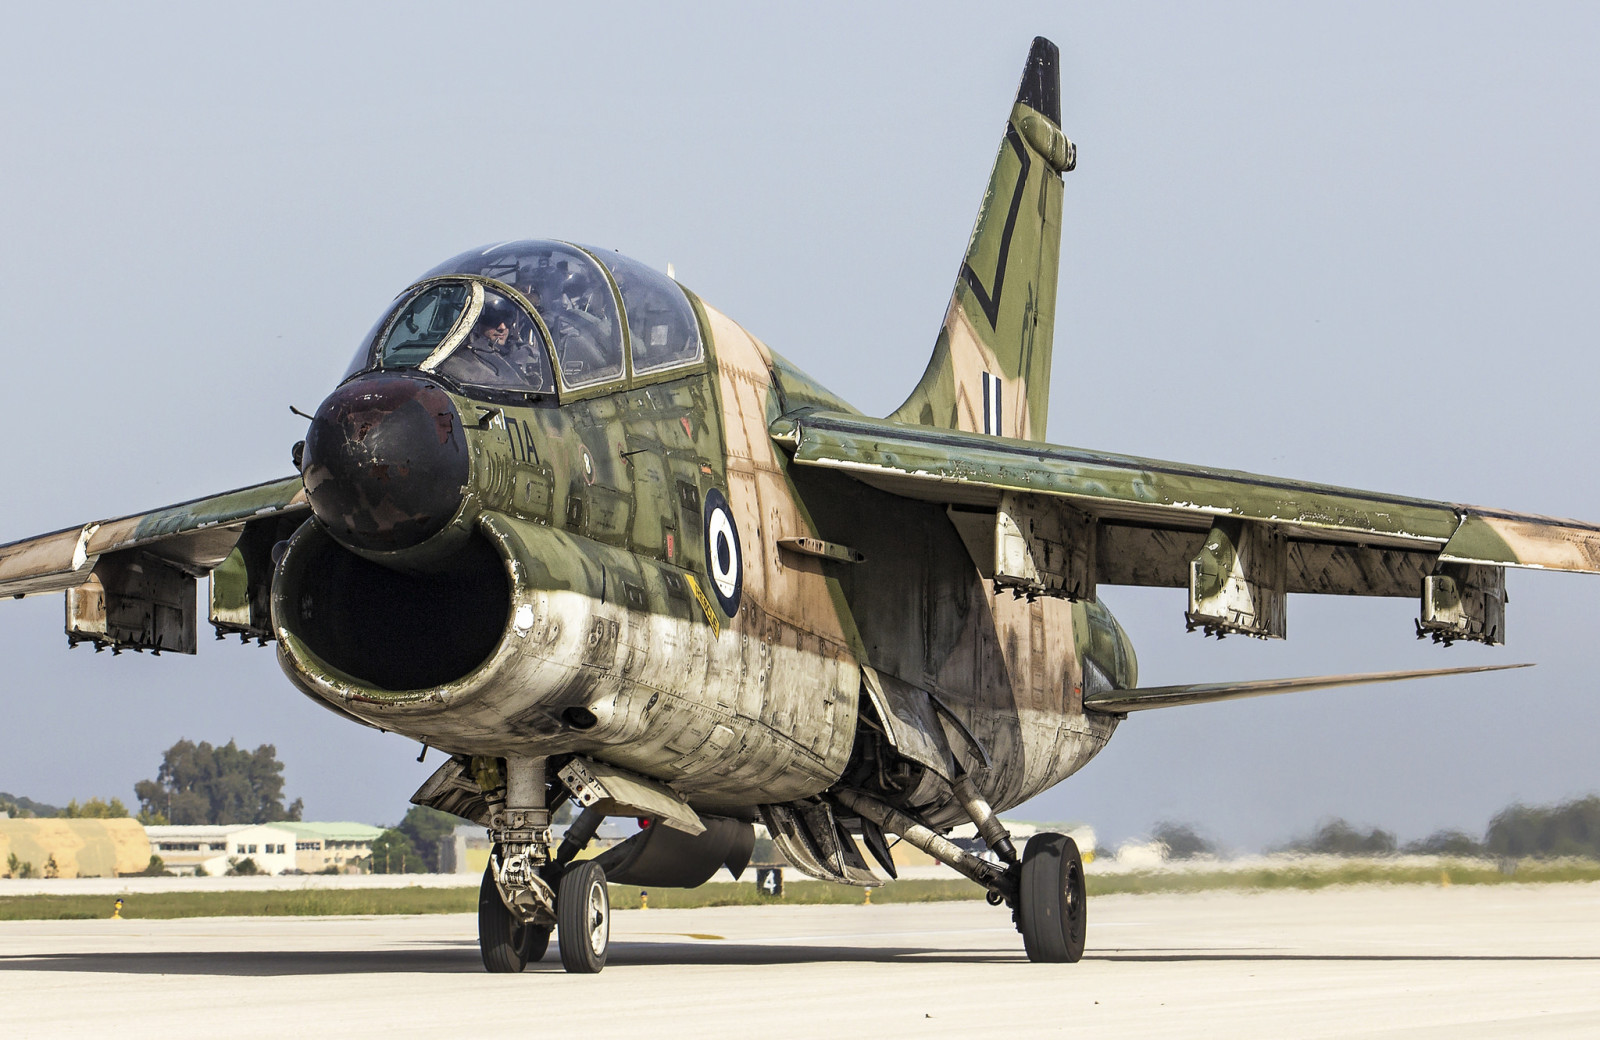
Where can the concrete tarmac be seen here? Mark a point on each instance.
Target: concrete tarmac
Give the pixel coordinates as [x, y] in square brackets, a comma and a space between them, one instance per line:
[1465, 961]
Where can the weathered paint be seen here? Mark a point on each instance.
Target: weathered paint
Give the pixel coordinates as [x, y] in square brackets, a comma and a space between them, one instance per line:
[686, 572]
[993, 352]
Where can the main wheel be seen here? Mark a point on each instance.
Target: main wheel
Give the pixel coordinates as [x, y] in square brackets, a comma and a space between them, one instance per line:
[1053, 907]
[507, 944]
[583, 918]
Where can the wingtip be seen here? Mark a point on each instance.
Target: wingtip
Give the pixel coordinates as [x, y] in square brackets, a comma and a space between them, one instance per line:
[1041, 80]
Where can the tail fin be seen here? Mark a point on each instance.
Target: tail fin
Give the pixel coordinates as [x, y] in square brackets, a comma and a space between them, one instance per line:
[990, 371]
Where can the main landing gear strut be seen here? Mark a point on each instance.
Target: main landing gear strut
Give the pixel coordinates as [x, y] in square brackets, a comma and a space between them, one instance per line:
[1044, 889]
[528, 890]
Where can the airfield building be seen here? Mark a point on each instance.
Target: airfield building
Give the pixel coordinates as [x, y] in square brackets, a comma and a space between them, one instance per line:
[217, 848]
[339, 847]
[72, 848]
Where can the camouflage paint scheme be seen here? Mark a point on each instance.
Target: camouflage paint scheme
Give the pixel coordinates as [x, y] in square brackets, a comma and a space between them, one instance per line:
[915, 596]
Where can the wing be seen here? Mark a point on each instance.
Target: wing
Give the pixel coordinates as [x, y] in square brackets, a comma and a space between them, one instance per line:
[1051, 520]
[130, 581]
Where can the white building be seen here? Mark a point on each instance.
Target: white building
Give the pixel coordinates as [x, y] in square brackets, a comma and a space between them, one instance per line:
[217, 848]
[341, 848]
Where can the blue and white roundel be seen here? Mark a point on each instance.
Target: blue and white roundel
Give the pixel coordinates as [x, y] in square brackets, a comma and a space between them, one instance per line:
[724, 562]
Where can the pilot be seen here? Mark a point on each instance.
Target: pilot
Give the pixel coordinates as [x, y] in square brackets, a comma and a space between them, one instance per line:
[493, 328]
[499, 350]
[585, 340]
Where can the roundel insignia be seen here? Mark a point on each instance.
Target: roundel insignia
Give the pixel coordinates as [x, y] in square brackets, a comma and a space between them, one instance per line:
[724, 561]
[588, 467]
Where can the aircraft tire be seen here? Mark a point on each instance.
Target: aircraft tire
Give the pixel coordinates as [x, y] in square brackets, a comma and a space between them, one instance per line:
[506, 943]
[1053, 906]
[583, 918]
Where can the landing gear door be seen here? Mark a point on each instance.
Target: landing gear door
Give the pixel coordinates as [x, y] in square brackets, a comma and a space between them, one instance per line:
[909, 721]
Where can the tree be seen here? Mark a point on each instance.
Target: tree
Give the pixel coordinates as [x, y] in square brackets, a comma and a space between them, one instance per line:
[202, 784]
[157, 867]
[1569, 829]
[393, 853]
[1336, 837]
[95, 809]
[1182, 841]
[429, 830]
[24, 808]
[1447, 843]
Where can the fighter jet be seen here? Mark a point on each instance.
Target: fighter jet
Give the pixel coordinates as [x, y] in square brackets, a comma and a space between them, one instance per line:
[571, 525]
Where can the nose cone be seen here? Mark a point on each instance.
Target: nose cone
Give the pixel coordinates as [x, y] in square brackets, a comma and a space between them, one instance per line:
[385, 462]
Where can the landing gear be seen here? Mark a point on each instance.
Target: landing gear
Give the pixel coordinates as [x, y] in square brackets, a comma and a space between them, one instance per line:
[1052, 907]
[583, 918]
[506, 942]
[1045, 891]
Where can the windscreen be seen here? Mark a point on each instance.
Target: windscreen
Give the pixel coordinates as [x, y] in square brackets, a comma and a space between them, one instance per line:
[422, 323]
[467, 332]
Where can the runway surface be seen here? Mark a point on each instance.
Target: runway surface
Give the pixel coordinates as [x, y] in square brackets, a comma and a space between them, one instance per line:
[1404, 961]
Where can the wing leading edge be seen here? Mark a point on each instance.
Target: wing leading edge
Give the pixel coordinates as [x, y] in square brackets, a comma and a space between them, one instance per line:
[130, 581]
[1053, 520]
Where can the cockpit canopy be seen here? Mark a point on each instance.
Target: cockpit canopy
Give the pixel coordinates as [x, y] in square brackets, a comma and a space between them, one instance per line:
[491, 319]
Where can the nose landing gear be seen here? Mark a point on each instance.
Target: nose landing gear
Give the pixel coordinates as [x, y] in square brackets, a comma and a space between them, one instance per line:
[583, 924]
[507, 943]
[527, 890]
[583, 918]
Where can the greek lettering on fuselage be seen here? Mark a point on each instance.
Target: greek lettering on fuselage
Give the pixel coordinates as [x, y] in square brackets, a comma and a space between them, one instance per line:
[519, 438]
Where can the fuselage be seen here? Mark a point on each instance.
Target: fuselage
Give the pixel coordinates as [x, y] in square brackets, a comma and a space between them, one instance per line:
[614, 568]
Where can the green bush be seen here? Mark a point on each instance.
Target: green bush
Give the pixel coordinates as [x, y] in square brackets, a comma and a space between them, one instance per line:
[1569, 829]
[1336, 837]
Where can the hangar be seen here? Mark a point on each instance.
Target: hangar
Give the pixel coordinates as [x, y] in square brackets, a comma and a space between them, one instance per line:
[75, 847]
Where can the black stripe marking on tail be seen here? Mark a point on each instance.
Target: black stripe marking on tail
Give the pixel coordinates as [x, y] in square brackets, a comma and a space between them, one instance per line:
[991, 304]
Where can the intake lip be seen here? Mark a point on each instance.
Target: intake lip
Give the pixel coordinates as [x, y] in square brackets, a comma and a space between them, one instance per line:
[386, 462]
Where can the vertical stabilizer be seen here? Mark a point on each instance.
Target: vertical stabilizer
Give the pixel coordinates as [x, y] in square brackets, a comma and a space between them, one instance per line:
[990, 371]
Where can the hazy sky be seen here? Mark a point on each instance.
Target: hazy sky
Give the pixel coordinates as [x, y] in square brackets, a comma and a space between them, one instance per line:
[1358, 245]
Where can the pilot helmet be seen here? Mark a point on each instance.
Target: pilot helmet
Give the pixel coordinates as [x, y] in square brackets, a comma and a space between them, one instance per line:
[497, 310]
[575, 281]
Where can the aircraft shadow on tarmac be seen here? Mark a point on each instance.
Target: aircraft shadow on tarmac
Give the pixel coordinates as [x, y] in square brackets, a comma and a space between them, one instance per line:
[466, 960]
[1334, 958]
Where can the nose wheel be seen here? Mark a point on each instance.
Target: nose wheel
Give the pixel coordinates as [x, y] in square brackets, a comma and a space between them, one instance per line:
[507, 943]
[1052, 906]
[583, 918]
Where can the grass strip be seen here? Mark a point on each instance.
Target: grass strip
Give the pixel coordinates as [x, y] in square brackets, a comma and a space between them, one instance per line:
[373, 902]
[1464, 872]
[296, 903]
